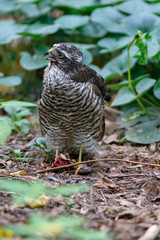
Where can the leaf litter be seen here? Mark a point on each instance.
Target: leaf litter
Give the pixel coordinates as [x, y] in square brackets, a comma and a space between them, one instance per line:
[121, 198]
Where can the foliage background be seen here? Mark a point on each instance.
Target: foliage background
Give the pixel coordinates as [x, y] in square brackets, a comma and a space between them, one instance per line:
[102, 29]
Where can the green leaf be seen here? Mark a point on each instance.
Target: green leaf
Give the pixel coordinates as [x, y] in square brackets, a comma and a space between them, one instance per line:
[17, 112]
[145, 133]
[23, 126]
[69, 190]
[27, 1]
[11, 80]
[125, 95]
[5, 131]
[41, 141]
[41, 29]
[73, 3]
[118, 65]
[125, 83]
[156, 89]
[35, 10]
[89, 234]
[140, 6]
[25, 191]
[32, 62]
[8, 6]
[141, 43]
[134, 115]
[70, 227]
[9, 31]
[34, 190]
[143, 21]
[144, 85]
[108, 17]
[17, 103]
[83, 46]
[112, 44]
[93, 29]
[71, 21]
[111, 1]
[154, 45]
[87, 57]
[8, 120]
[132, 5]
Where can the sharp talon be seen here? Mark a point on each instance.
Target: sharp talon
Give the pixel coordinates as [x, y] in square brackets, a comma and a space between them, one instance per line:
[79, 160]
[74, 161]
[77, 170]
[57, 152]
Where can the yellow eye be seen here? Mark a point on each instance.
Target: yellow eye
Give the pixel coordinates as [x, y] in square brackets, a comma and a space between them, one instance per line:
[60, 54]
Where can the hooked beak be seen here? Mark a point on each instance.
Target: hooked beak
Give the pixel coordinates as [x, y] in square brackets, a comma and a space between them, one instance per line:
[49, 56]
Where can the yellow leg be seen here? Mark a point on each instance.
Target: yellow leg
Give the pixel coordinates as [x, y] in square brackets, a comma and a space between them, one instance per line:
[57, 151]
[79, 160]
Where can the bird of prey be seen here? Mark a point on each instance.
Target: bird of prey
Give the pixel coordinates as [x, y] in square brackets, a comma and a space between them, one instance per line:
[71, 104]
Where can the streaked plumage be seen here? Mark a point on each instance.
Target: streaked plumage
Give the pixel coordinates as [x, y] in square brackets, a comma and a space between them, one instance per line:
[71, 105]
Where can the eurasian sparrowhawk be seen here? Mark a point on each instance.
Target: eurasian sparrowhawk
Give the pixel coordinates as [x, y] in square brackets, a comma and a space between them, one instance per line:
[71, 105]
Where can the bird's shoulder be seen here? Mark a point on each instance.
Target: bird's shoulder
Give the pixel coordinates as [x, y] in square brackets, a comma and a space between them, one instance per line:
[83, 73]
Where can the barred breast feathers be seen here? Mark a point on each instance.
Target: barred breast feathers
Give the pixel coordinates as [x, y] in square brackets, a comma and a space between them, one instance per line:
[56, 80]
[71, 112]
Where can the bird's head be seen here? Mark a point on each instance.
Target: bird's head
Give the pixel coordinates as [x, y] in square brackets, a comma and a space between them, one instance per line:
[64, 55]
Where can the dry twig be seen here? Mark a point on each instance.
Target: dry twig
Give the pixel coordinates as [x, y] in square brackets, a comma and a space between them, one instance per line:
[98, 160]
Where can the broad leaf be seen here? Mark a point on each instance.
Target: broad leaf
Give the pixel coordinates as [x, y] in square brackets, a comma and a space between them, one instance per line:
[145, 133]
[9, 31]
[134, 5]
[125, 83]
[111, 1]
[142, 21]
[73, 3]
[112, 44]
[83, 46]
[144, 85]
[106, 14]
[34, 10]
[71, 21]
[154, 45]
[156, 89]
[109, 18]
[8, 6]
[32, 62]
[17, 103]
[93, 29]
[87, 57]
[130, 6]
[125, 95]
[41, 29]
[118, 65]
[134, 115]
[11, 80]
[5, 131]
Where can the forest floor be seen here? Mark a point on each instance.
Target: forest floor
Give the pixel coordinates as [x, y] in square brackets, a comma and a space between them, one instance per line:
[123, 198]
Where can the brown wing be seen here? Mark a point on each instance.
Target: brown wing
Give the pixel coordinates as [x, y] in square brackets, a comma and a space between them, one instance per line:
[83, 73]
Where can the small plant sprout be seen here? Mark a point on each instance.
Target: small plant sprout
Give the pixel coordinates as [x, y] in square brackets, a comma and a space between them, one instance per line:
[15, 122]
[141, 42]
[18, 154]
[41, 143]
